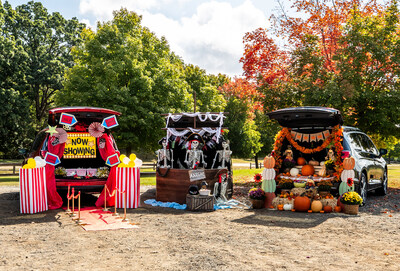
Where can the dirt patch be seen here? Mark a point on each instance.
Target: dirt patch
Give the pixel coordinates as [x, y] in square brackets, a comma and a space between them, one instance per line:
[233, 239]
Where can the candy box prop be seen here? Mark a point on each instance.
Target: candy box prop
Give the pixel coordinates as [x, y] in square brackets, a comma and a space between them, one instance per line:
[33, 194]
[128, 180]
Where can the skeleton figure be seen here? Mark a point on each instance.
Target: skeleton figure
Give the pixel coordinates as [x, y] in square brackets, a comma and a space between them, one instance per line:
[194, 156]
[224, 155]
[164, 155]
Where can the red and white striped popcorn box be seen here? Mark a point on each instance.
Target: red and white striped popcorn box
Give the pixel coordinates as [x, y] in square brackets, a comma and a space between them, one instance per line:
[33, 193]
[128, 179]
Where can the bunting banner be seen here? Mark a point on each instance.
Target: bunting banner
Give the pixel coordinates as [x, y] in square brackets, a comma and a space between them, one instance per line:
[310, 137]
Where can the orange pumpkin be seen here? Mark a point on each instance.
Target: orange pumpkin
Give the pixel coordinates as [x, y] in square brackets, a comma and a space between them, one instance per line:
[301, 161]
[316, 206]
[307, 170]
[338, 209]
[313, 163]
[302, 203]
[349, 163]
[327, 209]
[269, 162]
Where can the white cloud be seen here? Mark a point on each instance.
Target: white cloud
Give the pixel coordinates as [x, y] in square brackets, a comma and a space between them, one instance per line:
[211, 37]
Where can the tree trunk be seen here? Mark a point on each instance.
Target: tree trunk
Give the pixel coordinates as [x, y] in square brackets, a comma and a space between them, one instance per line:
[128, 150]
[256, 161]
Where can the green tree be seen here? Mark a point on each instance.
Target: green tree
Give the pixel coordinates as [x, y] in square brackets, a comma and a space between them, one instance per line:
[47, 39]
[208, 97]
[370, 68]
[125, 67]
[243, 135]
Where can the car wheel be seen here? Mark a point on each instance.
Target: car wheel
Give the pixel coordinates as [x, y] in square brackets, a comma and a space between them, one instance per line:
[383, 190]
[363, 188]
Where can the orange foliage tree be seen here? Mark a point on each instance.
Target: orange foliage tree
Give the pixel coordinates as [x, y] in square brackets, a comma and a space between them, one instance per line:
[338, 53]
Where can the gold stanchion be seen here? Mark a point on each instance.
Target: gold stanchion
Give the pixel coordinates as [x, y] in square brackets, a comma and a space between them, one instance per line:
[73, 200]
[78, 220]
[115, 206]
[68, 211]
[125, 201]
[105, 198]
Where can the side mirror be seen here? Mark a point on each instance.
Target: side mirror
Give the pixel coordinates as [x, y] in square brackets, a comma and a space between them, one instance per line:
[383, 152]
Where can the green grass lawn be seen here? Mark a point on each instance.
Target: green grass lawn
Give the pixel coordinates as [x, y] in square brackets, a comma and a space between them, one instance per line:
[240, 176]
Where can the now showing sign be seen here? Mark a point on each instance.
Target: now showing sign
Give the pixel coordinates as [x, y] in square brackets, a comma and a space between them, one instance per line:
[80, 145]
[196, 175]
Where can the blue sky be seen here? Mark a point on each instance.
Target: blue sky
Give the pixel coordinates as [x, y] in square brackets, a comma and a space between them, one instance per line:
[207, 33]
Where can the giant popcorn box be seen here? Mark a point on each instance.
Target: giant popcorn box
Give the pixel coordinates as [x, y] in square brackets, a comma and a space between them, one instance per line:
[33, 194]
[128, 179]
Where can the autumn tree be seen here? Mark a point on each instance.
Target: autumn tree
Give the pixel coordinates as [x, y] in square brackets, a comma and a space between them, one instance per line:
[242, 102]
[340, 54]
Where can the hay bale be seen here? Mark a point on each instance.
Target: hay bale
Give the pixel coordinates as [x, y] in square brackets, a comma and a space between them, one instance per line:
[329, 202]
[297, 191]
[277, 201]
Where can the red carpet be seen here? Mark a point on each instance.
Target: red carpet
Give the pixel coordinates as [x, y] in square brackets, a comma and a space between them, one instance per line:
[94, 219]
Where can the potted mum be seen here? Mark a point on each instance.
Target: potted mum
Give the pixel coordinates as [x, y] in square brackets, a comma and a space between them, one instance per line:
[351, 200]
[285, 185]
[257, 197]
[324, 188]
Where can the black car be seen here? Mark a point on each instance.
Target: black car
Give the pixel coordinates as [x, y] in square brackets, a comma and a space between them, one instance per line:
[370, 168]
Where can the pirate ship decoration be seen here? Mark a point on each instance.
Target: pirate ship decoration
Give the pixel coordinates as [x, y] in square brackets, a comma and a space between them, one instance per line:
[194, 150]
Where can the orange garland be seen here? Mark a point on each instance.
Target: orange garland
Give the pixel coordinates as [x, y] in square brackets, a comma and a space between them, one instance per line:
[303, 149]
[336, 136]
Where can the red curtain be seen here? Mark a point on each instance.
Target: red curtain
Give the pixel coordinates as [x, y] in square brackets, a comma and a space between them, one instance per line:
[53, 198]
[107, 149]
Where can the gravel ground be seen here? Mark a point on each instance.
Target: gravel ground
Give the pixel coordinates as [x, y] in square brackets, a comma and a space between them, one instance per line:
[222, 240]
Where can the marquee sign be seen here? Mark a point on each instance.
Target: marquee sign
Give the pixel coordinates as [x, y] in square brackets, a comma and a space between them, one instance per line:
[80, 145]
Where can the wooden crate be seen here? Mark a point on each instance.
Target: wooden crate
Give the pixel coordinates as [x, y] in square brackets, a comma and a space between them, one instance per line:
[199, 203]
[172, 184]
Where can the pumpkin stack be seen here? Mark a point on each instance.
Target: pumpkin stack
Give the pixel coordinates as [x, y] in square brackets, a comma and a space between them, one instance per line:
[348, 172]
[269, 184]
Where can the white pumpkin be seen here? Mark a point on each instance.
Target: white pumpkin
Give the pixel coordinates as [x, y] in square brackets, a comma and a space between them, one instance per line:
[347, 174]
[268, 174]
[288, 207]
[294, 172]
